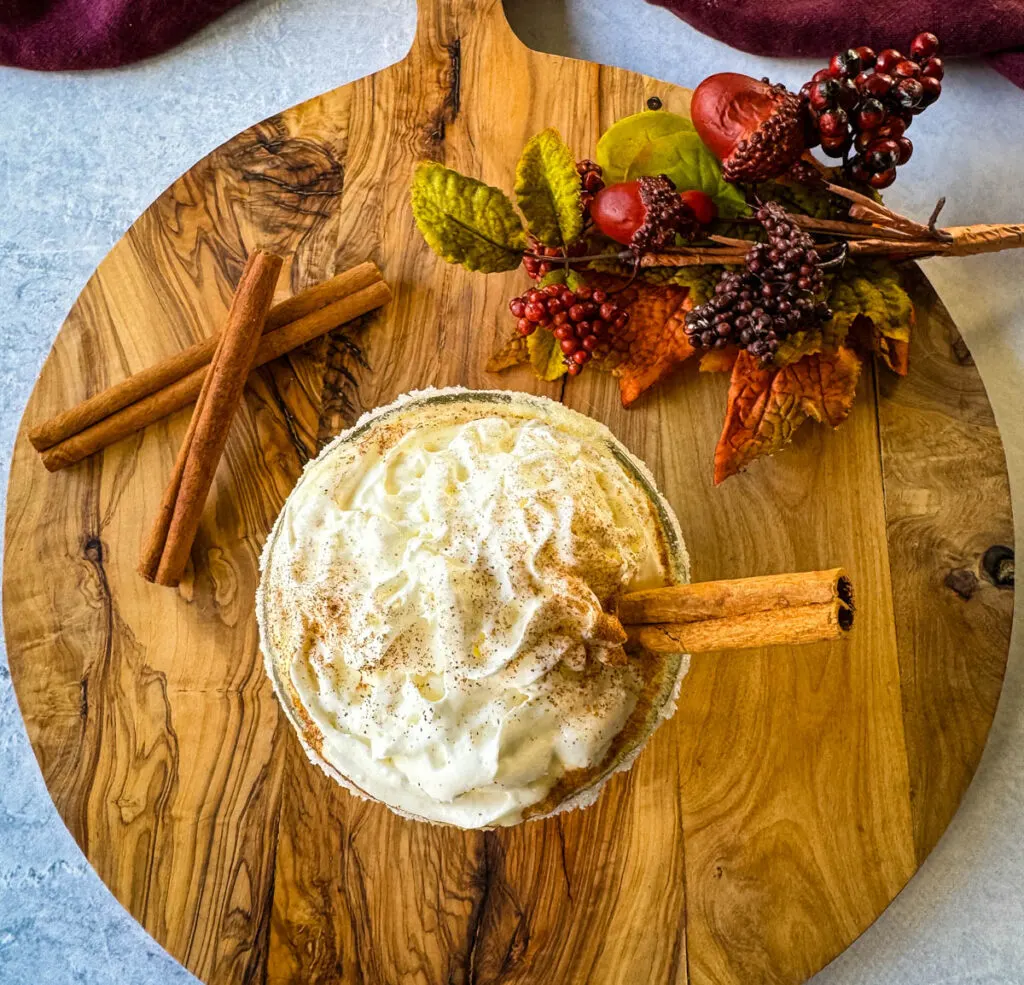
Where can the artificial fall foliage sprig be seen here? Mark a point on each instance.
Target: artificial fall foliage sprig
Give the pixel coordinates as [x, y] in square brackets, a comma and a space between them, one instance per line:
[650, 254]
[471, 223]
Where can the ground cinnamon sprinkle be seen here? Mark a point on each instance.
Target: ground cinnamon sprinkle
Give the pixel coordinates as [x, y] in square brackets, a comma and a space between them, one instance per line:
[512, 533]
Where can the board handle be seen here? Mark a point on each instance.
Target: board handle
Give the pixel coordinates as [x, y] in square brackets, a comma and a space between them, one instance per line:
[440, 22]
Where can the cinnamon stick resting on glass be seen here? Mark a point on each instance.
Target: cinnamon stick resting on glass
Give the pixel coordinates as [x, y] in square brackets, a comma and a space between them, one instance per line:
[800, 607]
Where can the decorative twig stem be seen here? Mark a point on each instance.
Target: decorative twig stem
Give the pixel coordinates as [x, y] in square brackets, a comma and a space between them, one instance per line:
[622, 255]
[962, 241]
[876, 212]
[693, 258]
[852, 230]
[710, 251]
[933, 218]
[872, 230]
[983, 238]
[743, 244]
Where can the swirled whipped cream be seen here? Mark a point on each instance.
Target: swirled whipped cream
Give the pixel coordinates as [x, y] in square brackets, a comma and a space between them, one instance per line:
[432, 599]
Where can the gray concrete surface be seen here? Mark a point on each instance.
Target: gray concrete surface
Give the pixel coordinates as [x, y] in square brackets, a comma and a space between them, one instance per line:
[82, 155]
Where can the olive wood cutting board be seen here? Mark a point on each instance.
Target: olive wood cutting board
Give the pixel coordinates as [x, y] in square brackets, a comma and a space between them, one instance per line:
[766, 826]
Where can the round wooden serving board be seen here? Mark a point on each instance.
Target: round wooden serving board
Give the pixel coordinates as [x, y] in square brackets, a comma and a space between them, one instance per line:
[795, 791]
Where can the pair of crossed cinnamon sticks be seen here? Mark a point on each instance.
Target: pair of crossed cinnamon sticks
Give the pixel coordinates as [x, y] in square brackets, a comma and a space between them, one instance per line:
[254, 334]
[770, 610]
[160, 390]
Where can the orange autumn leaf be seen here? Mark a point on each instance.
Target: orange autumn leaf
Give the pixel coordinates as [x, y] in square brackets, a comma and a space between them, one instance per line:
[896, 355]
[895, 352]
[655, 336]
[512, 352]
[865, 335]
[826, 383]
[767, 405]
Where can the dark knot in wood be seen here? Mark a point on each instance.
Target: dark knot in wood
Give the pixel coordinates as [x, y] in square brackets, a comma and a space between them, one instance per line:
[453, 99]
[294, 180]
[92, 549]
[451, 103]
[960, 351]
[962, 581]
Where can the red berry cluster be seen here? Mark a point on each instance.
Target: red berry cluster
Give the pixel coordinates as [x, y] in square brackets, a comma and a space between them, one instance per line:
[554, 256]
[537, 268]
[584, 322]
[864, 103]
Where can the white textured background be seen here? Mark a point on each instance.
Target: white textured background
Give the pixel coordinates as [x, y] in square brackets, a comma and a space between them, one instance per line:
[82, 155]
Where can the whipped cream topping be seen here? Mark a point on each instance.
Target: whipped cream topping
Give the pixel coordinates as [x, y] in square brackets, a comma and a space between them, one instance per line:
[433, 590]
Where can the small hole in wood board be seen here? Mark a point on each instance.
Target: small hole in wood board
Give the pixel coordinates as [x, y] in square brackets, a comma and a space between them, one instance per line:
[998, 564]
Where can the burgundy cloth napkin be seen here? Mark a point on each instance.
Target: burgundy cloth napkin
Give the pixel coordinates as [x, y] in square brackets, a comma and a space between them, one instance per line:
[66, 34]
[80, 34]
[821, 27]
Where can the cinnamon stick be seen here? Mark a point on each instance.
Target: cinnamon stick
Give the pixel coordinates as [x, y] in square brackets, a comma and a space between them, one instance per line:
[153, 547]
[773, 627]
[167, 549]
[799, 607]
[181, 393]
[733, 597]
[56, 429]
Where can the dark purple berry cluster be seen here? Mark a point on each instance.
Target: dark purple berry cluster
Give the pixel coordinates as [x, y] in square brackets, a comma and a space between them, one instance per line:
[863, 103]
[773, 297]
[591, 181]
[585, 323]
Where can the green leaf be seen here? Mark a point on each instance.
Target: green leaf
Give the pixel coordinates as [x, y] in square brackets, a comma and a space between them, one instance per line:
[751, 231]
[556, 276]
[872, 289]
[465, 221]
[575, 280]
[548, 190]
[610, 262]
[546, 355]
[689, 164]
[796, 346]
[559, 275]
[626, 138]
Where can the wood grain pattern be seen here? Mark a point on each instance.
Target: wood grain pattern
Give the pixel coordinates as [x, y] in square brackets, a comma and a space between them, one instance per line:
[946, 491]
[763, 828]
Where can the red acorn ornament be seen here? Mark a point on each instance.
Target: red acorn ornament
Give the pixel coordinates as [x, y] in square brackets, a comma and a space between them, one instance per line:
[643, 214]
[754, 128]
